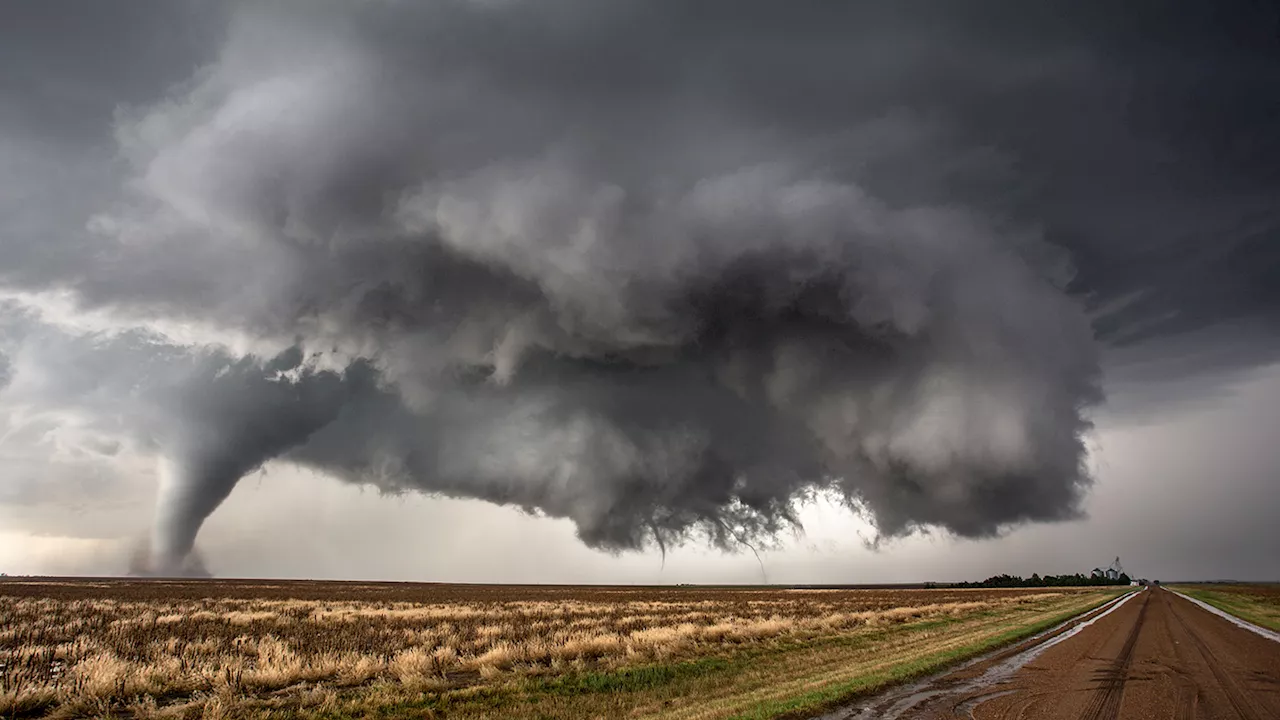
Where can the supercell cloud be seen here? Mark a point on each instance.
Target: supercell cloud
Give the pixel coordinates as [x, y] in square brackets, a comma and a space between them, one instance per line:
[664, 269]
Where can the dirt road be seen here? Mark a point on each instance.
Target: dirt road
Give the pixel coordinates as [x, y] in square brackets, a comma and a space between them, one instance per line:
[1156, 655]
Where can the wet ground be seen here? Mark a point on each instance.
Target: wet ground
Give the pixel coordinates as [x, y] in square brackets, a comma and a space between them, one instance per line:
[1152, 654]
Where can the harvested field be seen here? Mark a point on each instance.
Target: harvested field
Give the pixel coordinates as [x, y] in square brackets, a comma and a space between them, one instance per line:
[247, 649]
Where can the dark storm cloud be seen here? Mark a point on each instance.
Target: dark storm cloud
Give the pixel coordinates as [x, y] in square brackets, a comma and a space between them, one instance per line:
[70, 63]
[663, 267]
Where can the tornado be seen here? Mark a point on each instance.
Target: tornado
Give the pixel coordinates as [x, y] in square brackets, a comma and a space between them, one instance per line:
[664, 270]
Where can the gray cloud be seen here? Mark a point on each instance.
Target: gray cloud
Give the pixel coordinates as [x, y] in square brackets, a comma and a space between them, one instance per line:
[657, 268]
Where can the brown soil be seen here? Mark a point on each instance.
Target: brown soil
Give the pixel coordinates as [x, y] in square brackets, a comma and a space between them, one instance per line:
[1157, 656]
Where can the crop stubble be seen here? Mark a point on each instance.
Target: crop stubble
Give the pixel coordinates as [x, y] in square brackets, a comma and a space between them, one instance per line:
[238, 648]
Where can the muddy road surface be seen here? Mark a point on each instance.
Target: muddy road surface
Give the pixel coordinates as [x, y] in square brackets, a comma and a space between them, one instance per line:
[1152, 655]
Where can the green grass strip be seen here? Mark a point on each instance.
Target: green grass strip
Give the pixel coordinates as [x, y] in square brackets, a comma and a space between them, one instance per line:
[682, 678]
[833, 696]
[1242, 606]
[634, 679]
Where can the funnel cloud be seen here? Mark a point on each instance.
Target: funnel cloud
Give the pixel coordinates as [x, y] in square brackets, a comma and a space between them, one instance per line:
[663, 269]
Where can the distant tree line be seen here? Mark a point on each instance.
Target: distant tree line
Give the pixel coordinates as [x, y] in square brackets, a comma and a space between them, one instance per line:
[1015, 581]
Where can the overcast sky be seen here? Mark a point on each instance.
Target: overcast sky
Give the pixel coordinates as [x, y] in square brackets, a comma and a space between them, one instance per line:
[582, 291]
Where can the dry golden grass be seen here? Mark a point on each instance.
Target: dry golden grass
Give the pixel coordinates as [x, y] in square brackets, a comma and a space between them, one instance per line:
[204, 649]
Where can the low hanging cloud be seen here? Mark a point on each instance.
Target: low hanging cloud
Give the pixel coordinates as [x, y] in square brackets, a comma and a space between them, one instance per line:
[660, 269]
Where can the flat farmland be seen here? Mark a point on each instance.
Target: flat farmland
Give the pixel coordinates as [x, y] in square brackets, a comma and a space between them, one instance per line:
[232, 649]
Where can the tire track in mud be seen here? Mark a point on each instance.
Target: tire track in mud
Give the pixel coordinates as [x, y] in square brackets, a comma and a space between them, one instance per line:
[1187, 690]
[961, 683]
[1188, 702]
[1022, 710]
[1241, 699]
[1160, 656]
[1105, 703]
